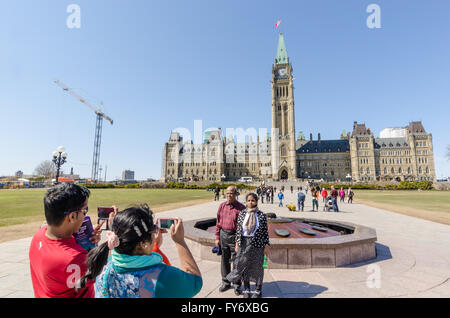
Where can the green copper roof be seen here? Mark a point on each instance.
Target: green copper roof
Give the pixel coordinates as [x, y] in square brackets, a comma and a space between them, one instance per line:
[282, 57]
[207, 134]
[301, 136]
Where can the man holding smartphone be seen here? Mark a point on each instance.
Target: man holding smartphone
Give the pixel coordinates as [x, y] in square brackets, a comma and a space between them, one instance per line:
[226, 225]
[57, 261]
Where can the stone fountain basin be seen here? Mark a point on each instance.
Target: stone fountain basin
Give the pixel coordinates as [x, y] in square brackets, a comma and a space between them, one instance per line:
[357, 244]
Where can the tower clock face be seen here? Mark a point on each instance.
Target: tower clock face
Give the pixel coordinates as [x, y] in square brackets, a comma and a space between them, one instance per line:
[282, 72]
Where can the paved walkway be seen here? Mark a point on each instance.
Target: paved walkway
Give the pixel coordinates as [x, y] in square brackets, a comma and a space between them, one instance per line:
[413, 258]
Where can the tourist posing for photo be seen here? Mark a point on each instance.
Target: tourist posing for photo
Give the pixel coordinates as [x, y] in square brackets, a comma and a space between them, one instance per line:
[252, 236]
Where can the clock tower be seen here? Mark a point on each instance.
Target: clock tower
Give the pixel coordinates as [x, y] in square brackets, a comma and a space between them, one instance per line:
[283, 119]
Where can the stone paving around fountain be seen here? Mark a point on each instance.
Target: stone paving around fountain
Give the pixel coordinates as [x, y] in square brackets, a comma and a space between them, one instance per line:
[413, 258]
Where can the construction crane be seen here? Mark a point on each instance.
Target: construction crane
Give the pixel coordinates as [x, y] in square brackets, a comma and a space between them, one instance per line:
[98, 127]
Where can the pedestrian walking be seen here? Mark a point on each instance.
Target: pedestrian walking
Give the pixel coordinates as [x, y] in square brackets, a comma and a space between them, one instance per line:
[342, 195]
[315, 202]
[272, 193]
[324, 195]
[300, 199]
[280, 197]
[262, 194]
[350, 195]
[216, 194]
[334, 195]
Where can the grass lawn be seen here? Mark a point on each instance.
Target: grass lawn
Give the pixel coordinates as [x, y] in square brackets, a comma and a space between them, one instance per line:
[26, 205]
[429, 205]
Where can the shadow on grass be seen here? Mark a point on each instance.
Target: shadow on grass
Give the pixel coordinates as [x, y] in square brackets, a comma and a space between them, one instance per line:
[288, 289]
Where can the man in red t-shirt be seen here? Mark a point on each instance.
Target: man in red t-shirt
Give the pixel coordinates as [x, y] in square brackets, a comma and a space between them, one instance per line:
[57, 261]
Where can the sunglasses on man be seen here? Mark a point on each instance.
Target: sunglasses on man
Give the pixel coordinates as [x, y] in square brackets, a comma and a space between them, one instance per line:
[85, 211]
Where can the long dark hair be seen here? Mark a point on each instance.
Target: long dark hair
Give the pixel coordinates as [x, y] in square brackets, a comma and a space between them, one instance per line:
[132, 226]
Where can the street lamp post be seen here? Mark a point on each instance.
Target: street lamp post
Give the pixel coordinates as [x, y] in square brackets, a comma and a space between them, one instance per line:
[349, 178]
[59, 158]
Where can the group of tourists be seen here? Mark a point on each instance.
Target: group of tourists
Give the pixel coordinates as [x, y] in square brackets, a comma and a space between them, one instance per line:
[266, 192]
[327, 197]
[129, 263]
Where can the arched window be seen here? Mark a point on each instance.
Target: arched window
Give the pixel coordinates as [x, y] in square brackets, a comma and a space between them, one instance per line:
[400, 170]
[427, 170]
[283, 150]
[392, 170]
[409, 170]
[420, 169]
[385, 170]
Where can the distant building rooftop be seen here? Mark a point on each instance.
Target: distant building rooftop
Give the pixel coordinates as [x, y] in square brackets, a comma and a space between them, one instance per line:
[323, 146]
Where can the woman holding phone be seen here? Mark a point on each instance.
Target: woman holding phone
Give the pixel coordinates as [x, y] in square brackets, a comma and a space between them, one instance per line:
[134, 270]
[252, 236]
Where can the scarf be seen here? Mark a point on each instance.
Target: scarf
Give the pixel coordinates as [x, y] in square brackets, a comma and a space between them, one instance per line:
[124, 263]
[251, 222]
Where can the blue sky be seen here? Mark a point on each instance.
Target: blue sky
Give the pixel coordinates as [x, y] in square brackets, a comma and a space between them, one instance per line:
[159, 65]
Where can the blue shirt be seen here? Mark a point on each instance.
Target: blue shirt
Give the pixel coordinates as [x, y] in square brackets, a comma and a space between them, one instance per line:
[159, 281]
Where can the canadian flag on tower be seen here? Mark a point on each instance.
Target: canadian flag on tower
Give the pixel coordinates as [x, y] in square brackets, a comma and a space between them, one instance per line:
[278, 23]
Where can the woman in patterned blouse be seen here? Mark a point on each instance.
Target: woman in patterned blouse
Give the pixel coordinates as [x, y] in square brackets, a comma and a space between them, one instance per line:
[252, 236]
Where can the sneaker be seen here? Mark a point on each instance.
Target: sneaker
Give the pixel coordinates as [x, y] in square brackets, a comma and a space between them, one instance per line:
[256, 294]
[224, 287]
[247, 293]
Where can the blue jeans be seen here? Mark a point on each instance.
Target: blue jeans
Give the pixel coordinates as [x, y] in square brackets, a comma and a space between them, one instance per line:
[301, 204]
[335, 206]
[281, 202]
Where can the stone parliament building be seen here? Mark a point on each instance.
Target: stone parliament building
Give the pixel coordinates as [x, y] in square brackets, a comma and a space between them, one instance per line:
[400, 153]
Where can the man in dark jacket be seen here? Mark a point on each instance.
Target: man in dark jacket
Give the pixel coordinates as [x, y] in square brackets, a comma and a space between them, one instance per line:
[334, 195]
[216, 194]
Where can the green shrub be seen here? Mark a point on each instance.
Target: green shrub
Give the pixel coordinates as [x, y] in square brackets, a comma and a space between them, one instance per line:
[403, 185]
[179, 185]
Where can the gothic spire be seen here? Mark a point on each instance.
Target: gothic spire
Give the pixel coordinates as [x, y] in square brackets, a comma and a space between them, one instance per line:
[282, 57]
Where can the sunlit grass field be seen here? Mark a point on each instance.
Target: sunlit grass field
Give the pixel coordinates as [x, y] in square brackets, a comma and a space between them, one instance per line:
[26, 205]
[438, 201]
